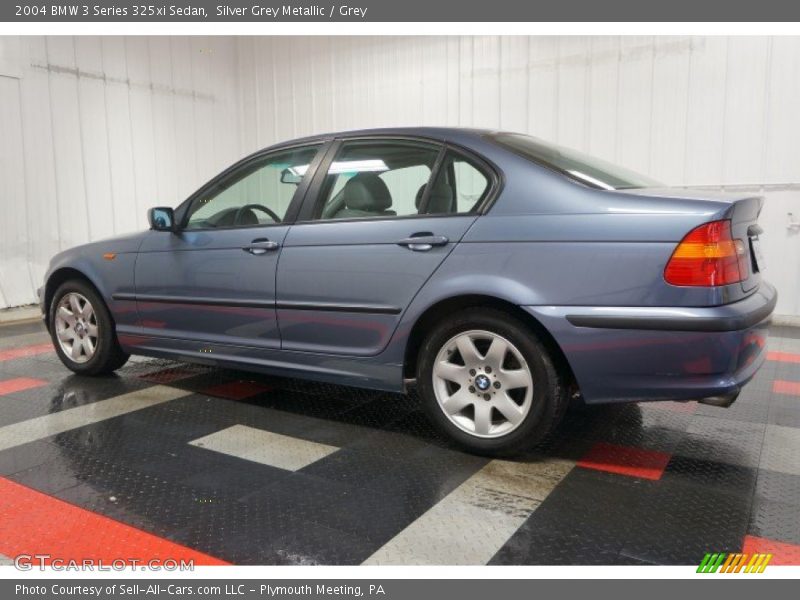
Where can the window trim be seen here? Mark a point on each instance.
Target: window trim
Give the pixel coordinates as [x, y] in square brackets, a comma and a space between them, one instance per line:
[312, 195]
[183, 210]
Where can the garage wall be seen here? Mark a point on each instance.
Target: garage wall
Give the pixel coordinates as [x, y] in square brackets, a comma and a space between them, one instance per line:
[703, 111]
[93, 131]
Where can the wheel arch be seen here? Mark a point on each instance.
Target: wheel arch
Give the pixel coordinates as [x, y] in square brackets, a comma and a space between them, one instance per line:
[429, 318]
[58, 277]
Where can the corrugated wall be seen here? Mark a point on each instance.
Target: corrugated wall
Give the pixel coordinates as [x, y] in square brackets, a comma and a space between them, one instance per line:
[95, 130]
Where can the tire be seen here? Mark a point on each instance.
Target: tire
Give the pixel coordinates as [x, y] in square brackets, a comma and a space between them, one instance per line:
[75, 325]
[540, 403]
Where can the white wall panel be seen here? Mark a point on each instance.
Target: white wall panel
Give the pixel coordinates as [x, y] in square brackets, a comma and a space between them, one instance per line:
[15, 277]
[111, 126]
[43, 231]
[745, 94]
[603, 94]
[781, 156]
[670, 101]
[119, 132]
[94, 155]
[93, 131]
[543, 87]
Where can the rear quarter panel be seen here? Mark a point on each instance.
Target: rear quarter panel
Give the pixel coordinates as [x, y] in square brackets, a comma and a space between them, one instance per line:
[550, 242]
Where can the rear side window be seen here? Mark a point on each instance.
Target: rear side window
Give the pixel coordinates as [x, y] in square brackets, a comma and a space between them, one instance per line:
[586, 169]
[460, 187]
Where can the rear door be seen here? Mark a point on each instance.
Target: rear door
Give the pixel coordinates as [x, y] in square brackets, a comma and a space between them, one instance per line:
[382, 215]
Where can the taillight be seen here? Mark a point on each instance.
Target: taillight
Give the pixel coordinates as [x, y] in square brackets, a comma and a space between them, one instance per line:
[708, 256]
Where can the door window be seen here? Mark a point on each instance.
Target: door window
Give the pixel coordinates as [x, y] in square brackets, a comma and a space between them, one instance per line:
[258, 194]
[377, 179]
[460, 186]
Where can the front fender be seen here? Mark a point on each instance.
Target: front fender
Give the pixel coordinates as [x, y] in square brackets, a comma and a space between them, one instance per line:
[108, 265]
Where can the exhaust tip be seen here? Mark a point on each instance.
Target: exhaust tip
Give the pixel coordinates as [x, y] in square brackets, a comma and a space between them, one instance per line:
[722, 401]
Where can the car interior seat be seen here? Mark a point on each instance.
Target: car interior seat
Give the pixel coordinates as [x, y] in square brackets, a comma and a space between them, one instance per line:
[365, 195]
[442, 200]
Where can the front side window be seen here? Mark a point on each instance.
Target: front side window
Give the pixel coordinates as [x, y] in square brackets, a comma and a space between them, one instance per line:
[581, 167]
[258, 194]
[377, 179]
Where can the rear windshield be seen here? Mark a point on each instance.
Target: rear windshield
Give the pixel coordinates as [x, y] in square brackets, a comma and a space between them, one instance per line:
[581, 167]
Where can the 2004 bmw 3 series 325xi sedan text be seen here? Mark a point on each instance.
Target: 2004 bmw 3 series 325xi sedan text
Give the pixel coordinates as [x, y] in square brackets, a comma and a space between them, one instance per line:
[504, 274]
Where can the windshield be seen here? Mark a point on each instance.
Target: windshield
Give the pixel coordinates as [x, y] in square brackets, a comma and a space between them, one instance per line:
[581, 167]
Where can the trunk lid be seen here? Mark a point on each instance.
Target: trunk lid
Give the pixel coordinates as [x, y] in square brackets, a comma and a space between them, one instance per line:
[745, 227]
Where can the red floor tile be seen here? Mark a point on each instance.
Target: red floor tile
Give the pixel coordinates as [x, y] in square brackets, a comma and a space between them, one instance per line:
[783, 357]
[19, 384]
[26, 351]
[789, 388]
[624, 460]
[34, 523]
[237, 390]
[782, 552]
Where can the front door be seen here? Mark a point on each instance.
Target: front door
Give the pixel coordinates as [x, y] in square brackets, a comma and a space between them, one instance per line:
[213, 281]
[374, 232]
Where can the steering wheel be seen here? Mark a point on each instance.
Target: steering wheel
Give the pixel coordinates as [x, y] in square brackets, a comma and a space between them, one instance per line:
[270, 213]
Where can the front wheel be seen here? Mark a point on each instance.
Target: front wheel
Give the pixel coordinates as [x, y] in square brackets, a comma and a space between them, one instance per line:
[82, 330]
[489, 383]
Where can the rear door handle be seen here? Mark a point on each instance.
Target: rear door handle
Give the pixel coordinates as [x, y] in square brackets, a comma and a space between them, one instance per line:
[423, 242]
[261, 246]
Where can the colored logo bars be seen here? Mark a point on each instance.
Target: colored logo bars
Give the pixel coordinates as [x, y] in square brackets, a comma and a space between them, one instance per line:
[733, 563]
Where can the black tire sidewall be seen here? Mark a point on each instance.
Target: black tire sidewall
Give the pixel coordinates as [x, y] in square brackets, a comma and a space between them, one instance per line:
[547, 388]
[106, 340]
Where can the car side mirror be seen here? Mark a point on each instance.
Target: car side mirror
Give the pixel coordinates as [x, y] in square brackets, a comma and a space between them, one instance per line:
[161, 218]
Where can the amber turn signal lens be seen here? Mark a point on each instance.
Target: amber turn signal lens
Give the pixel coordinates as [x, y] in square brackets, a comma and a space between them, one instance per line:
[708, 256]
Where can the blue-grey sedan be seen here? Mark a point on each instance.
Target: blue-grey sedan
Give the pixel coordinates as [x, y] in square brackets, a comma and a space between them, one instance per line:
[501, 274]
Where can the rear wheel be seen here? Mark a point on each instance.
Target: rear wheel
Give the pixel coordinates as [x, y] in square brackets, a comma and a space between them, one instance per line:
[83, 331]
[489, 383]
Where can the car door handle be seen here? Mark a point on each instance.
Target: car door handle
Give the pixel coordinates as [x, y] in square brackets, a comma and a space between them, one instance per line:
[423, 242]
[261, 246]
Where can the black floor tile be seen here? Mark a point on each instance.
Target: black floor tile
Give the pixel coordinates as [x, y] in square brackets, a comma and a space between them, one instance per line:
[586, 519]
[684, 521]
[775, 521]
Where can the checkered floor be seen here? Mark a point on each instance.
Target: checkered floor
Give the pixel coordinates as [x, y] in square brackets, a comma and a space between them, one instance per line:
[182, 461]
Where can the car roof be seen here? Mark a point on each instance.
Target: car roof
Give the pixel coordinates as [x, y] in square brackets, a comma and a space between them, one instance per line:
[435, 133]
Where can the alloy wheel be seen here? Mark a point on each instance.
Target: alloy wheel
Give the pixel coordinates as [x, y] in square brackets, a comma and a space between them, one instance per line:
[76, 327]
[483, 384]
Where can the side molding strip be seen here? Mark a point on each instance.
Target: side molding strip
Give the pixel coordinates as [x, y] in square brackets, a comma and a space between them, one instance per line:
[284, 305]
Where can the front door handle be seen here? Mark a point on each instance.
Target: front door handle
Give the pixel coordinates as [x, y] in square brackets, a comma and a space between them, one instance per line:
[261, 246]
[423, 242]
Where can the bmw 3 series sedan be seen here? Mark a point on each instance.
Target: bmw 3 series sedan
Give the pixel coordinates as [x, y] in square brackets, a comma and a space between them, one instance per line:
[500, 274]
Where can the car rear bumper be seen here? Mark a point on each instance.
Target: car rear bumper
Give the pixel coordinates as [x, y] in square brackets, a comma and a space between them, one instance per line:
[662, 353]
